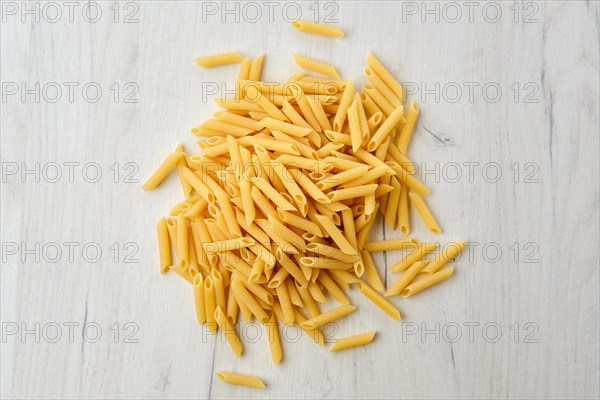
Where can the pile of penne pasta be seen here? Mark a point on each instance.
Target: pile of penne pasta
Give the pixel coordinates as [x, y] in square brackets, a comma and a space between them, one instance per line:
[280, 203]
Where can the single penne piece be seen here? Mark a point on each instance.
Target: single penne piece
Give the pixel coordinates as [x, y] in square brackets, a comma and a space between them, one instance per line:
[335, 234]
[256, 68]
[253, 95]
[374, 121]
[309, 303]
[257, 269]
[229, 332]
[182, 239]
[325, 263]
[379, 300]
[399, 285]
[274, 341]
[299, 222]
[369, 104]
[305, 108]
[304, 163]
[164, 245]
[163, 170]
[235, 105]
[382, 87]
[394, 244]
[398, 156]
[364, 123]
[295, 297]
[403, 219]
[407, 129]
[424, 213]
[403, 176]
[443, 257]
[331, 252]
[345, 101]
[181, 163]
[304, 146]
[385, 75]
[356, 136]
[319, 29]
[352, 192]
[353, 341]
[412, 257]
[239, 379]
[317, 66]
[319, 113]
[227, 245]
[393, 199]
[273, 194]
[226, 128]
[424, 283]
[232, 307]
[286, 304]
[239, 120]
[247, 201]
[290, 129]
[310, 188]
[316, 292]
[328, 316]
[219, 286]
[218, 59]
[210, 304]
[386, 127]
[291, 267]
[290, 184]
[198, 283]
[315, 333]
[342, 177]
[283, 231]
[198, 185]
[334, 290]
[244, 297]
[227, 210]
[371, 271]
[378, 98]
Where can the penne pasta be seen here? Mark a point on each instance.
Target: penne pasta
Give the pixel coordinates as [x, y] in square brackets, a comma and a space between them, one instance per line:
[228, 331]
[418, 202]
[319, 29]
[446, 254]
[317, 66]
[218, 59]
[238, 379]
[424, 283]
[379, 300]
[353, 341]
[328, 316]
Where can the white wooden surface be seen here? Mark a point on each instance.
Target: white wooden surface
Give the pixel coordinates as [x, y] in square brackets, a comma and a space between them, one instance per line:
[555, 218]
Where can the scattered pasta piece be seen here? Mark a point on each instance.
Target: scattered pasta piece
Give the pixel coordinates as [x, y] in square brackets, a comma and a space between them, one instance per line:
[219, 59]
[352, 341]
[319, 29]
[239, 379]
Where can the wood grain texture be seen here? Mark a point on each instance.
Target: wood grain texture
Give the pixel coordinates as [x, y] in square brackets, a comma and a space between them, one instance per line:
[549, 212]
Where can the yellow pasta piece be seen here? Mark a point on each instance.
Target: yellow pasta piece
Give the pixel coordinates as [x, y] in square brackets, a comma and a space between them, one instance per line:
[256, 68]
[336, 235]
[244, 297]
[382, 87]
[385, 128]
[445, 255]
[162, 171]
[371, 271]
[424, 213]
[394, 244]
[399, 285]
[229, 332]
[274, 341]
[164, 245]
[239, 379]
[253, 95]
[413, 256]
[328, 316]
[407, 129]
[319, 29]
[336, 292]
[353, 341]
[219, 59]
[385, 75]
[290, 129]
[210, 304]
[424, 283]
[199, 299]
[379, 300]
[317, 66]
